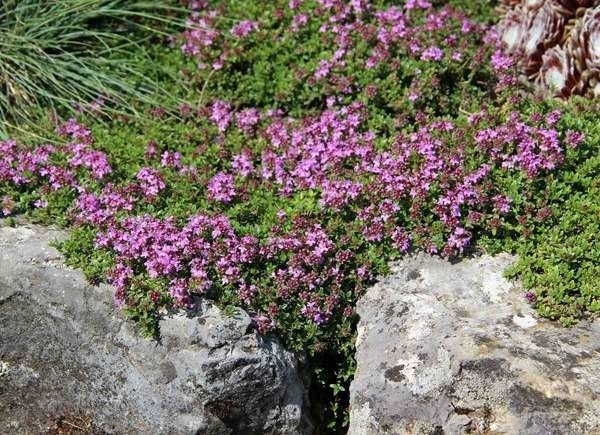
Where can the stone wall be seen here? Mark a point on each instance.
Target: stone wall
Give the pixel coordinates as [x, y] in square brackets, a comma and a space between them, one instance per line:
[69, 359]
[454, 348]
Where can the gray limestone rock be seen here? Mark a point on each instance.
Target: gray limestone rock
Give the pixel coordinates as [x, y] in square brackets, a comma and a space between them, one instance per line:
[448, 348]
[69, 359]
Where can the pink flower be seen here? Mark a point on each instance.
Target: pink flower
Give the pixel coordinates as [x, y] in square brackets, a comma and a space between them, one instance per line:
[502, 203]
[172, 159]
[336, 194]
[414, 95]
[247, 293]
[41, 203]
[178, 289]
[8, 205]
[263, 323]
[312, 311]
[401, 240]
[501, 61]
[459, 239]
[150, 181]
[96, 161]
[457, 56]
[221, 187]
[432, 53]
[244, 28]
[76, 131]
[574, 138]
[119, 278]
[417, 4]
[553, 117]
[299, 21]
[151, 149]
[363, 273]
[221, 114]
[247, 119]
[242, 164]
[196, 5]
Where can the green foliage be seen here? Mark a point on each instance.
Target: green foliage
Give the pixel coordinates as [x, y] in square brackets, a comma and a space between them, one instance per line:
[80, 252]
[559, 255]
[274, 68]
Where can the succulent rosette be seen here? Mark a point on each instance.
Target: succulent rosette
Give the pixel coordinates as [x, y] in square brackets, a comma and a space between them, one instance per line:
[589, 39]
[510, 2]
[590, 42]
[557, 77]
[558, 42]
[583, 48]
[533, 5]
[512, 30]
[544, 30]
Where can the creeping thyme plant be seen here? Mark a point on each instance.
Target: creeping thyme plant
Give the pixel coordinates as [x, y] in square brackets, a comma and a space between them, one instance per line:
[314, 142]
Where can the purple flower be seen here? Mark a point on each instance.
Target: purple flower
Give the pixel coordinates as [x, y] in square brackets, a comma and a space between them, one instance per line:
[501, 61]
[172, 159]
[363, 273]
[150, 181]
[244, 28]
[242, 164]
[432, 53]
[76, 131]
[90, 209]
[417, 4]
[96, 161]
[530, 297]
[299, 21]
[221, 187]
[221, 114]
[41, 203]
[459, 239]
[312, 311]
[401, 240]
[178, 289]
[553, 117]
[263, 323]
[502, 203]
[247, 293]
[247, 119]
[574, 138]
[119, 277]
[7, 204]
[336, 194]
[324, 69]
[196, 5]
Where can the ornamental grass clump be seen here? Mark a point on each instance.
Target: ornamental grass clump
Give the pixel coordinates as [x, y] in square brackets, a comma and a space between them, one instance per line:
[75, 55]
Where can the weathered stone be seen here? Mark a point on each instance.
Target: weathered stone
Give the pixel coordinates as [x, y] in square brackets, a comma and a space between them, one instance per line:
[69, 359]
[453, 348]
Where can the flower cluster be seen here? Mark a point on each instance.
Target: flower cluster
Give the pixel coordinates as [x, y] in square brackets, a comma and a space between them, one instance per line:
[221, 188]
[431, 187]
[244, 28]
[203, 36]
[332, 136]
[41, 165]
[190, 258]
